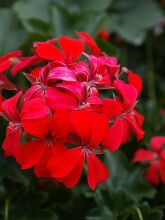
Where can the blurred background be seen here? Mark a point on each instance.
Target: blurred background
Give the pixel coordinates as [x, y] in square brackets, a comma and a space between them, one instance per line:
[134, 32]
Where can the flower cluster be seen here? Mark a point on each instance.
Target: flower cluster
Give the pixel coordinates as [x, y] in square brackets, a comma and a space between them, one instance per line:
[154, 158]
[62, 122]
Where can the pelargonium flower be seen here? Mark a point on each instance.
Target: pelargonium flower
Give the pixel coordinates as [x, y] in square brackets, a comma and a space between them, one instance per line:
[67, 168]
[122, 116]
[154, 157]
[48, 134]
[61, 123]
[15, 111]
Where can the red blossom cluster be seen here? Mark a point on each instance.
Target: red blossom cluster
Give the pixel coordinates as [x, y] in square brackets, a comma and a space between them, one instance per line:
[62, 122]
[154, 158]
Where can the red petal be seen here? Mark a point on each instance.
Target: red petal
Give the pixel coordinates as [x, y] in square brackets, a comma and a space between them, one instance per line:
[9, 106]
[48, 51]
[72, 48]
[152, 173]
[37, 127]
[73, 177]
[29, 154]
[34, 108]
[80, 122]
[57, 100]
[25, 62]
[97, 172]
[128, 92]
[61, 73]
[135, 126]
[112, 108]
[98, 126]
[41, 169]
[126, 131]
[6, 84]
[139, 117]
[12, 140]
[60, 124]
[157, 143]
[142, 155]
[5, 65]
[12, 54]
[65, 163]
[95, 50]
[162, 170]
[135, 80]
[114, 136]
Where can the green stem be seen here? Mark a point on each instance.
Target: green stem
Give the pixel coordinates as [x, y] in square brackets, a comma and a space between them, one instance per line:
[150, 70]
[139, 213]
[6, 212]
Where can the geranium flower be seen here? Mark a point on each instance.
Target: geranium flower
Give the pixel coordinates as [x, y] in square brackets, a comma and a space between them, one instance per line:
[155, 158]
[90, 129]
[15, 113]
[122, 115]
[48, 136]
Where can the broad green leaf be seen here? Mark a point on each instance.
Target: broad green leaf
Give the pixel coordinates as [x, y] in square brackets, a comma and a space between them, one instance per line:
[97, 214]
[12, 33]
[11, 170]
[32, 9]
[148, 213]
[130, 18]
[66, 22]
[84, 5]
[124, 175]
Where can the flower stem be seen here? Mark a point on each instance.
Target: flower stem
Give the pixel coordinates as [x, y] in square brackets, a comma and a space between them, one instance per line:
[139, 213]
[6, 211]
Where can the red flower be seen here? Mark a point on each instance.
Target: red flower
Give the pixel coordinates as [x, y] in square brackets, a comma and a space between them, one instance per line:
[123, 116]
[62, 121]
[155, 157]
[48, 143]
[90, 128]
[16, 114]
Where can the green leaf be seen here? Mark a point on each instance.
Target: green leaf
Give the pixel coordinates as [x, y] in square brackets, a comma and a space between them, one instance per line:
[11, 170]
[118, 202]
[32, 9]
[66, 22]
[147, 213]
[12, 33]
[130, 20]
[97, 214]
[81, 5]
[125, 175]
